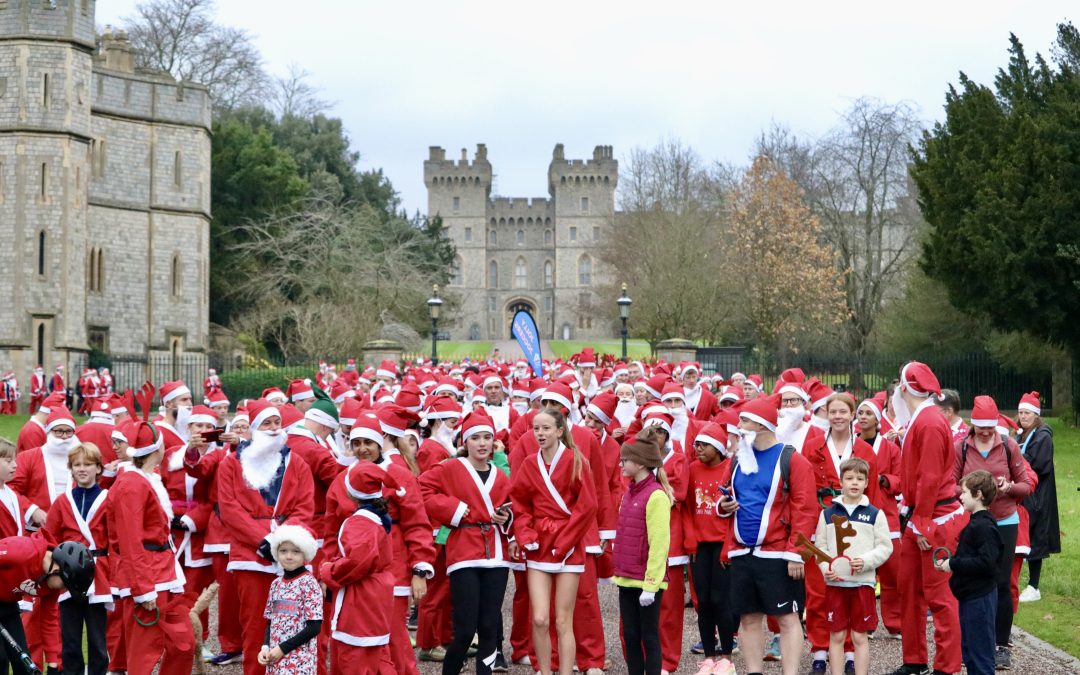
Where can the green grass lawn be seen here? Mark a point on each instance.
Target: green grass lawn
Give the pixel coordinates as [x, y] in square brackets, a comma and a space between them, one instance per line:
[635, 349]
[10, 425]
[455, 350]
[1056, 618]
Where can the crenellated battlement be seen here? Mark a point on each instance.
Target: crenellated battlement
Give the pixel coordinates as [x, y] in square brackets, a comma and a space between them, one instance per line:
[442, 172]
[536, 208]
[602, 170]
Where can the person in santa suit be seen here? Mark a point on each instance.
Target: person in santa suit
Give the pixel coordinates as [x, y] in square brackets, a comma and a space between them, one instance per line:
[80, 516]
[868, 424]
[98, 429]
[949, 403]
[625, 410]
[38, 390]
[212, 383]
[657, 429]
[301, 394]
[683, 424]
[260, 487]
[752, 386]
[554, 503]
[825, 458]
[9, 394]
[56, 382]
[176, 399]
[32, 434]
[396, 422]
[439, 423]
[700, 402]
[19, 514]
[157, 627]
[599, 417]
[472, 496]
[792, 426]
[219, 403]
[934, 519]
[586, 368]
[361, 577]
[192, 506]
[497, 407]
[764, 518]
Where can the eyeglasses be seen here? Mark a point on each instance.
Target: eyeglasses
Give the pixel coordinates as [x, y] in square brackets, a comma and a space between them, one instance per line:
[63, 433]
[791, 402]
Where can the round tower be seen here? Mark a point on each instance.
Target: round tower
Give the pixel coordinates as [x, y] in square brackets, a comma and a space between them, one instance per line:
[45, 141]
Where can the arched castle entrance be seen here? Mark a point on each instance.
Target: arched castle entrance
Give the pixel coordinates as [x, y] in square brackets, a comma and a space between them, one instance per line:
[513, 307]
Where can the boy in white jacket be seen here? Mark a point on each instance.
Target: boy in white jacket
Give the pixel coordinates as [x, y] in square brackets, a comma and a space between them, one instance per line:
[860, 543]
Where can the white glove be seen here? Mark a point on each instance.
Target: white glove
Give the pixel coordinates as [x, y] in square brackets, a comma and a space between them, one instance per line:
[647, 598]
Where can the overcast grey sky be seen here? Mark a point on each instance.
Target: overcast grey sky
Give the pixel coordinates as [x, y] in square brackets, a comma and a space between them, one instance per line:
[522, 77]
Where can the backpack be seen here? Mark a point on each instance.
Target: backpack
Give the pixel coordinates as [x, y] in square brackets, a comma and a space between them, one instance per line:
[964, 451]
[785, 467]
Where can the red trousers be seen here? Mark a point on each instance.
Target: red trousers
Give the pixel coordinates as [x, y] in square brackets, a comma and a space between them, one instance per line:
[228, 608]
[114, 635]
[42, 626]
[252, 588]
[198, 578]
[672, 611]
[521, 628]
[1014, 581]
[435, 627]
[922, 587]
[165, 641]
[588, 623]
[401, 650]
[890, 594]
[7, 408]
[348, 660]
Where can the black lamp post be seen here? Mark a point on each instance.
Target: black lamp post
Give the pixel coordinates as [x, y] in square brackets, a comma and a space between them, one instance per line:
[434, 304]
[624, 314]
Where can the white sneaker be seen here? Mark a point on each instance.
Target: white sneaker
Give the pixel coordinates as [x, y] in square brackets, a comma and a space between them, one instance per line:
[1030, 594]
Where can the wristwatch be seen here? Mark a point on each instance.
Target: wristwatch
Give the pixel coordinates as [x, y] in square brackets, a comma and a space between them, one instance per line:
[419, 572]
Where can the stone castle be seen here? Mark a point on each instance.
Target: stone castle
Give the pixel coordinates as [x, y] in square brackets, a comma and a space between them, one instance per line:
[538, 254]
[104, 195]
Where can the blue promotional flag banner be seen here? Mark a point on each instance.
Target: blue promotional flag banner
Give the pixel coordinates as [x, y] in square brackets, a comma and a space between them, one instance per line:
[528, 338]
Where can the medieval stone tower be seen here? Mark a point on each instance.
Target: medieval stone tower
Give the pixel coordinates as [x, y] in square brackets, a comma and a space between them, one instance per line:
[104, 194]
[539, 254]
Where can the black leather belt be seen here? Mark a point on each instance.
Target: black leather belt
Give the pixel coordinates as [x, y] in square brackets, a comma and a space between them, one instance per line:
[156, 548]
[99, 552]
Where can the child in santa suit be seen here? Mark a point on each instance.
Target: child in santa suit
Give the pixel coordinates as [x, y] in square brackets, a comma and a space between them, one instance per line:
[473, 497]
[362, 578]
[80, 516]
[554, 503]
[140, 514]
[294, 606]
[261, 487]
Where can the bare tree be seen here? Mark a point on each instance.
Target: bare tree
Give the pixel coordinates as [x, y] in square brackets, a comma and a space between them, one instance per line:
[181, 38]
[294, 96]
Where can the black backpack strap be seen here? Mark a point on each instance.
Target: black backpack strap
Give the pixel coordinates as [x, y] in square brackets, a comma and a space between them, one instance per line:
[785, 467]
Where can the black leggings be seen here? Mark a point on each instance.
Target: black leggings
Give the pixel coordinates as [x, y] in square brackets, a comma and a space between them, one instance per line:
[712, 583]
[641, 632]
[11, 620]
[1004, 620]
[1034, 572]
[73, 615]
[476, 598]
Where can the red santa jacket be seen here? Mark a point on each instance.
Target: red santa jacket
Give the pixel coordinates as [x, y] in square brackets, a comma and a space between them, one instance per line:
[191, 501]
[553, 511]
[250, 520]
[677, 468]
[15, 516]
[475, 541]
[37, 387]
[410, 532]
[320, 459]
[610, 450]
[66, 523]
[34, 479]
[216, 538]
[430, 453]
[32, 435]
[787, 513]
[21, 566]
[139, 514]
[362, 581]
[888, 466]
[826, 467]
[170, 437]
[707, 405]
[926, 477]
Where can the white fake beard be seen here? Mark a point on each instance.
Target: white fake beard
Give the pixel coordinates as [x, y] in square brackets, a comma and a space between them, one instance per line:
[445, 435]
[680, 424]
[59, 447]
[820, 422]
[746, 455]
[790, 420]
[183, 414]
[901, 414]
[338, 446]
[521, 407]
[625, 412]
[261, 458]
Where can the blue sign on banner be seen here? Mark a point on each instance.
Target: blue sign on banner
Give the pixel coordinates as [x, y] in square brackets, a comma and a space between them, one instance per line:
[528, 338]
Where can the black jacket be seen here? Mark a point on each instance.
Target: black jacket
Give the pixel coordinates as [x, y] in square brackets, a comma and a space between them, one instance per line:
[1042, 503]
[974, 565]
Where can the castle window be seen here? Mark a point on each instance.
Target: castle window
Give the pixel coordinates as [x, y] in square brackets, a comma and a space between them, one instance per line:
[584, 204]
[468, 234]
[175, 275]
[548, 304]
[494, 222]
[493, 274]
[98, 338]
[178, 163]
[573, 234]
[44, 182]
[493, 304]
[584, 270]
[457, 203]
[96, 273]
[596, 233]
[41, 253]
[493, 238]
[455, 271]
[547, 236]
[549, 274]
[521, 236]
[45, 92]
[521, 274]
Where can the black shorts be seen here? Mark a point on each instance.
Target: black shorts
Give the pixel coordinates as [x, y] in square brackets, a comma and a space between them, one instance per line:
[763, 586]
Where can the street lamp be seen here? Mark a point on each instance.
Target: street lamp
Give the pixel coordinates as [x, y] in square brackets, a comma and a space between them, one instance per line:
[624, 314]
[434, 304]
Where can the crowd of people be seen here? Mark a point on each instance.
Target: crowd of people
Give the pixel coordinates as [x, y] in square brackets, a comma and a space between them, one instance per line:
[338, 514]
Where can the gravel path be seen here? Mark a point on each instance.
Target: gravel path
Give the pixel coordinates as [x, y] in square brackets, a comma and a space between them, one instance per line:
[1029, 654]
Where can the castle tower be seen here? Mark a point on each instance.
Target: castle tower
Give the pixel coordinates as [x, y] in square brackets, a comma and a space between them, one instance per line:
[45, 88]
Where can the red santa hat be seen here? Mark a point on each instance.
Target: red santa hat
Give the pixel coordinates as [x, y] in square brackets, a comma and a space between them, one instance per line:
[714, 434]
[448, 385]
[919, 380]
[875, 404]
[729, 419]
[340, 390]
[793, 388]
[60, 416]
[261, 410]
[587, 358]
[605, 376]
[298, 536]
[537, 387]
[984, 412]
[118, 406]
[350, 363]
[425, 380]
[521, 388]
[273, 394]
[655, 385]
[795, 375]
[762, 410]
[387, 369]
[559, 393]
[409, 397]
[143, 439]
[657, 417]
[476, 422]
[491, 376]
[172, 390]
[351, 408]
[241, 416]
[818, 391]
[1030, 403]
[367, 426]
[102, 410]
[202, 414]
[730, 393]
[1007, 423]
[51, 401]
[602, 406]
[756, 380]
[366, 480]
[368, 375]
[299, 390]
[441, 408]
[686, 366]
[394, 419]
[216, 398]
[621, 369]
[290, 415]
[672, 390]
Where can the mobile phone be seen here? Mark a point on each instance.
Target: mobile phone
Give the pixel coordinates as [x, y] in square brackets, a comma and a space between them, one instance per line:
[211, 436]
[725, 491]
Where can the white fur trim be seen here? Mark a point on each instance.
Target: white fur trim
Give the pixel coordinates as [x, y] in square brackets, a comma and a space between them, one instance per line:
[176, 393]
[298, 536]
[480, 428]
[1030, 408]
[983, 423]
[760, 420]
